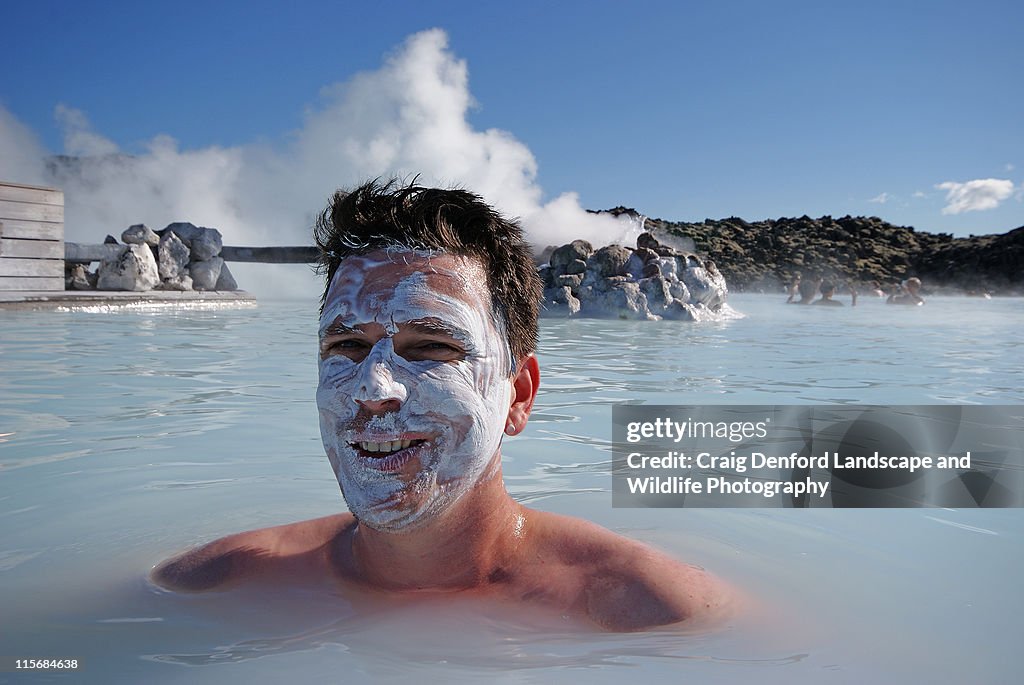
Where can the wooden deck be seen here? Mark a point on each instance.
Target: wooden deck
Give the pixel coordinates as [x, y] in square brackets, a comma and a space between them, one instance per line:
[33, 254]
[101, 299]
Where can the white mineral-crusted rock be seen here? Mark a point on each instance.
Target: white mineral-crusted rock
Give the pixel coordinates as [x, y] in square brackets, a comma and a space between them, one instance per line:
[225, 281]
[680, 311]
[140, 234]
[609, 261]
[133, 268]
[657, 292]
[573, 281]
[623, 300]
[183, 229]
[560, 302]
[678, 290]
[652, 281]
[705, 283]
[174, 256]
[576, 267]
[635, 266]
[205, 243]
[180, 282]
[77, 278]
[205, 273]
[562, 256]
[667, 267]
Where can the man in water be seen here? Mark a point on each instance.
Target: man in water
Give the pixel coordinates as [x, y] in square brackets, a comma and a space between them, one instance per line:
[910, 293]
[828, 289]
[794, 288]
[428, 330]
[806, 289]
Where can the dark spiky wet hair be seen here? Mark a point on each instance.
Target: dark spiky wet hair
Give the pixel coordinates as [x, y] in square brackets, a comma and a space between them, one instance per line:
[391, 214]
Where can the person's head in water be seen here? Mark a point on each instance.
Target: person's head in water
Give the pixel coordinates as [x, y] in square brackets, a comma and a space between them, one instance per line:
[427, 329]
[457, 222]
[808, 289]
[828, 289]
[429, 311]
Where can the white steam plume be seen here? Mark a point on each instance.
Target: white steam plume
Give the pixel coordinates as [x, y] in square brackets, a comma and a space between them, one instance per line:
[408, 117]
[21, 154]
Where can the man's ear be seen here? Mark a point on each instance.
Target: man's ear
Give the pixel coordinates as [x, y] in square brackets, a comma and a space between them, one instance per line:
[524, 391]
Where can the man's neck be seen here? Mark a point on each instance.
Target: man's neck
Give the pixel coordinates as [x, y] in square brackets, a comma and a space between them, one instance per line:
[468, 546]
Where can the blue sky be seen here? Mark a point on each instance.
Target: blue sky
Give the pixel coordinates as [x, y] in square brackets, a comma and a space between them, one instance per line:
[908, 111]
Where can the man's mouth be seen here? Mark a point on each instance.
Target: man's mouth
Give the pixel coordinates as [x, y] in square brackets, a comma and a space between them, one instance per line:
[387, 446]
[387, 456]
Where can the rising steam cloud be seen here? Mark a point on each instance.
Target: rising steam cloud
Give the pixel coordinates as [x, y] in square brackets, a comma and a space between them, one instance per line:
[408, 117]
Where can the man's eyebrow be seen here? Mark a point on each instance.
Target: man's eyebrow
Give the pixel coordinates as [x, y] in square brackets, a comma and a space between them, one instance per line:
[436, 326]
[338, 328]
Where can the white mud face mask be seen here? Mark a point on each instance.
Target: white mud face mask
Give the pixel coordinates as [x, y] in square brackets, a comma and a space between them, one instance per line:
[414, 385]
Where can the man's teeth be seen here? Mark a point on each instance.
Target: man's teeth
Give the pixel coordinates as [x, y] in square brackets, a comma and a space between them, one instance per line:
[388, 446]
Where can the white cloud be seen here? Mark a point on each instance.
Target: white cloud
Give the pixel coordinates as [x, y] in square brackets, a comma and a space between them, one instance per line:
[1010, 167]
[976, 195]
[881, 199]
[920, 194]
[407, 117]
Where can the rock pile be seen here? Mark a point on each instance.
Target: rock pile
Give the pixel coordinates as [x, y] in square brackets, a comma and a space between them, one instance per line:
[765, 255]
[651, 281]
[182, 256]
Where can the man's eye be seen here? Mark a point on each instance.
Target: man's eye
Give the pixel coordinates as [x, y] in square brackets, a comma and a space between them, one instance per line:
[440, 346]
[346, 346]
[435, 350]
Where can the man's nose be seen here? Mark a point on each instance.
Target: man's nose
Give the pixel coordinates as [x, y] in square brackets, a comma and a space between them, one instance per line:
[380, 406]
[378, 391]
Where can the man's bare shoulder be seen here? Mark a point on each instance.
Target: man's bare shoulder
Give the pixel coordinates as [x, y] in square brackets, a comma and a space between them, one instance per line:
[254, 553]
[626, 585]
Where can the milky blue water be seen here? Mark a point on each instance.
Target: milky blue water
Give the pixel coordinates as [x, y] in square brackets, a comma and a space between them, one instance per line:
[128, 436]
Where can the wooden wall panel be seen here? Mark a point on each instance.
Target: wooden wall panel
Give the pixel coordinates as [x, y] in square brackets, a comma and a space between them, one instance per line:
[32, 230]
[22, 283]
[14, 266]
[31, 237]
[33, 249]
[30, 212]
[33, 194]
